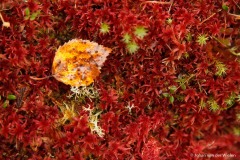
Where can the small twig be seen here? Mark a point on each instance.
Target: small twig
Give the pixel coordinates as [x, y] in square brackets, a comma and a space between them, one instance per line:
[231, 50]
[234, 15]
[4, 9]
[219, 42]
[171, 1]
[157, 2]
[186, 81]
[5, 24]
[169, 47]
[38, 79]
[200, 88]
[207, 19]
[225, 26]
[236, 4]
[1, 17]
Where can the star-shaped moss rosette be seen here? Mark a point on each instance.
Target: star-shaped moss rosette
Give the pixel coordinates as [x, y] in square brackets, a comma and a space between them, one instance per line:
[78, 62]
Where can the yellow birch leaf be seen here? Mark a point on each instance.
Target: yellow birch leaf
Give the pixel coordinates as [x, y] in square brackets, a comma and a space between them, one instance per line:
[78, 62]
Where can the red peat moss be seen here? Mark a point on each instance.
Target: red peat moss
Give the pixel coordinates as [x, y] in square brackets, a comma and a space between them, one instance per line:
[170, 89]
